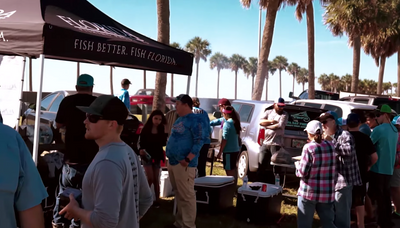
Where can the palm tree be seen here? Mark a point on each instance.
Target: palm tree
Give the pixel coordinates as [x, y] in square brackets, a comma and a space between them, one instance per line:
[302, 77]
[201, 50]
[250, 69]
[272, 6]
[163, 37]
[271, 70]
[280, 63]
[219, 61]
[334, 79]
[324, 81]
[293, 70]
[386, 87]
[237, 62]
[347, 80]
[177, 46]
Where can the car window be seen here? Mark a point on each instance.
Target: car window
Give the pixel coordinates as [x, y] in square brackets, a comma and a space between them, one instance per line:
[298, 118]
[56, 104]
[334, 108]
[245, 113]
[362, 101]
[345, 99]
[47, 101]
[304, 95]
[236, 106]
[326, 95]
[312, 105]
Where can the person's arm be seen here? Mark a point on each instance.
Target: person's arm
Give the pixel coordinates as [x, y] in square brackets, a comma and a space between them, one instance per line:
[145, 195]
[62, 114]
[371, 152]
[304, 165]
[216, 122]
[198, 141]
[345, 145]
[30, 190]
[374, 159]
[126, 99]
[225, 137]
[281, 124]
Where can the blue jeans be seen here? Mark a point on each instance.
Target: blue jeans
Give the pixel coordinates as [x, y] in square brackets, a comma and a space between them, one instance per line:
[343, 201]
[306, 209]
[71, 176]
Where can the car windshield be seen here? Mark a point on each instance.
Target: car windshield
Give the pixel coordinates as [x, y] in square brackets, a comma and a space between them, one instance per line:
[326, 95]
[145, 92]
[298, 118]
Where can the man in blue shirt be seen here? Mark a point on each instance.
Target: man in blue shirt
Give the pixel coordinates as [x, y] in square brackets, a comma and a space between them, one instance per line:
[124, 94]
[201, 167]
[384, 136]
[183, 150]
[21, 188]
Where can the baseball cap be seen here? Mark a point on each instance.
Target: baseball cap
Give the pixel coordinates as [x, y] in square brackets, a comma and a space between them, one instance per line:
[224, 101]
[342, 122]
[108, 107]
[125, 82]
[385, 109]
[353, 118]
[185, 99]
[85, 80]
[314, 127]
[396, 120]
[280, 101]
[329, 115]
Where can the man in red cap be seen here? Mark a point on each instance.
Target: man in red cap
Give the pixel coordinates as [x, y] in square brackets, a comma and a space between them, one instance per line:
[274, 121]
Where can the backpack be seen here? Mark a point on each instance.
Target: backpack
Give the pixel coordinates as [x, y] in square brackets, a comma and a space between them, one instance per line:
[131, 132]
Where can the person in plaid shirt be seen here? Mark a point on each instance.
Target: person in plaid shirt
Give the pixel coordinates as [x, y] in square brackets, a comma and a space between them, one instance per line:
[317, 170]
[346, 167]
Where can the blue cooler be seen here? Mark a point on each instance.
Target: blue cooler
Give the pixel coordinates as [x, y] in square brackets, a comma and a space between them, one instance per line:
[259, 207]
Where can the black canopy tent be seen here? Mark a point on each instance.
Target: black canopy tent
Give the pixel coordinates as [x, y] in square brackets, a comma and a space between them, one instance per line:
[75, 30]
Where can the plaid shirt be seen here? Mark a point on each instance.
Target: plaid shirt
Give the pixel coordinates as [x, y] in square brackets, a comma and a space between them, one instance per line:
[317, 170]
[346, 160]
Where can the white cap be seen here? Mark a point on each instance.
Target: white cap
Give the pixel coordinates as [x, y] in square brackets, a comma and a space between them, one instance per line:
[314, 127]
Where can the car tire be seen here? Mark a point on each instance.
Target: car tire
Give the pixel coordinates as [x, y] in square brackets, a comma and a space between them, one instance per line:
[243, 164]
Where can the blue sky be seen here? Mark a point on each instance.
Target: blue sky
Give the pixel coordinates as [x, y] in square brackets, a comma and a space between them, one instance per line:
[230, 29]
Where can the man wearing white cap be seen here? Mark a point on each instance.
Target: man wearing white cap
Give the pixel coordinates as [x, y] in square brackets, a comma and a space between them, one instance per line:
[274, 121]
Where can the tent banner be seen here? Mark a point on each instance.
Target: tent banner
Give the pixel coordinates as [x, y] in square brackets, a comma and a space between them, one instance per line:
[11, 76]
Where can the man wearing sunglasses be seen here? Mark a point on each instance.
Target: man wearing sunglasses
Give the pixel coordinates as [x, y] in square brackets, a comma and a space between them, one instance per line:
[115, 192]
[79, 151]
[274, 121]
[384, 136]
[346, 167]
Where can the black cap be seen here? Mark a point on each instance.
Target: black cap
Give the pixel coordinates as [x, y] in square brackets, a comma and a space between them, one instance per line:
[108, 107]
[185, 99]
[125, 82]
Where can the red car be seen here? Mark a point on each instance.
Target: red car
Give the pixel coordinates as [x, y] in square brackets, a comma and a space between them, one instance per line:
[145, 96]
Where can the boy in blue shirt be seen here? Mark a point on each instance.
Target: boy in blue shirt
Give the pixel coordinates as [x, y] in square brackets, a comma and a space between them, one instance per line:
[124, 95]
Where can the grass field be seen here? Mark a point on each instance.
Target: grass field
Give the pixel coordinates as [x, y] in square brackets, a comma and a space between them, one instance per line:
[160, 217]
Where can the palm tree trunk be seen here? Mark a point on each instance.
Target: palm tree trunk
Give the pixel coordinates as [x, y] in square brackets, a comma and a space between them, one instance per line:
[266, 46]
[266, 88]
[398, 72]
[30, 74]
[381, 73]
[218, 84]
[163, 37]
[303, 85]
[311, 41]
[144, 80]
[236, 84]
[111, 81]
[197, 77]
[356, 63]
[252, 84]
[280, 84]
[294, 76]
[172, 85]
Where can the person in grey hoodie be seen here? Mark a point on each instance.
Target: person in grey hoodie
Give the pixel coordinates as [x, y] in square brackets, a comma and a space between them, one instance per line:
[115, 193]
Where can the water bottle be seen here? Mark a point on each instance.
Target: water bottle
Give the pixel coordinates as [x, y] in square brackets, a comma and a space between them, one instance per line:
[277, 180]
[245, 180]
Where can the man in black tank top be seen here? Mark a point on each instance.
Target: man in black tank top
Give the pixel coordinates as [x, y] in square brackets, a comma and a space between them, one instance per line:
[79, 151]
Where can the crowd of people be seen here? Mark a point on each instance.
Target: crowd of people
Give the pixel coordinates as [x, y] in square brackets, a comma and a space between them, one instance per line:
[342, 161]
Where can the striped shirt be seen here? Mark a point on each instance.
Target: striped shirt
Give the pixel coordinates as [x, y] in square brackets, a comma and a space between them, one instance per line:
[317, 170]
[346, 160]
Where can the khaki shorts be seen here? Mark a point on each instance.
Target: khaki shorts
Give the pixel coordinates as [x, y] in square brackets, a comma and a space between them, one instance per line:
[395, 180]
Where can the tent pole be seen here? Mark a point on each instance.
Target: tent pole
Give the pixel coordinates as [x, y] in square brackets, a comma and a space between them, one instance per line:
[22, 93]
[188, 85]
[38, 113]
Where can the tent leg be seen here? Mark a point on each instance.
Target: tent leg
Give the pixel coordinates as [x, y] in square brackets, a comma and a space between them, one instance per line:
[188, 85]
[38, 112]
[20, 99]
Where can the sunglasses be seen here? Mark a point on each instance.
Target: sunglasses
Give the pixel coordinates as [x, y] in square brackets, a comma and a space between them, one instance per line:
[93, 118]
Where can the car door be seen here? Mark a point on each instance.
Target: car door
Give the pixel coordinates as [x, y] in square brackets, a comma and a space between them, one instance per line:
[46, 102]
[245, 113]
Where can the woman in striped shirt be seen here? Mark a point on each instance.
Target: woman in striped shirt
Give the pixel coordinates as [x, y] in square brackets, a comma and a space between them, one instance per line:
[317, 173]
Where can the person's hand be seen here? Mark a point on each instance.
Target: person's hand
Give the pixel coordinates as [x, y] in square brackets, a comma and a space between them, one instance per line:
[297, 164]
[142, 152]
[184, 163]
[219, 156]
[70, 211]
[274, 122]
